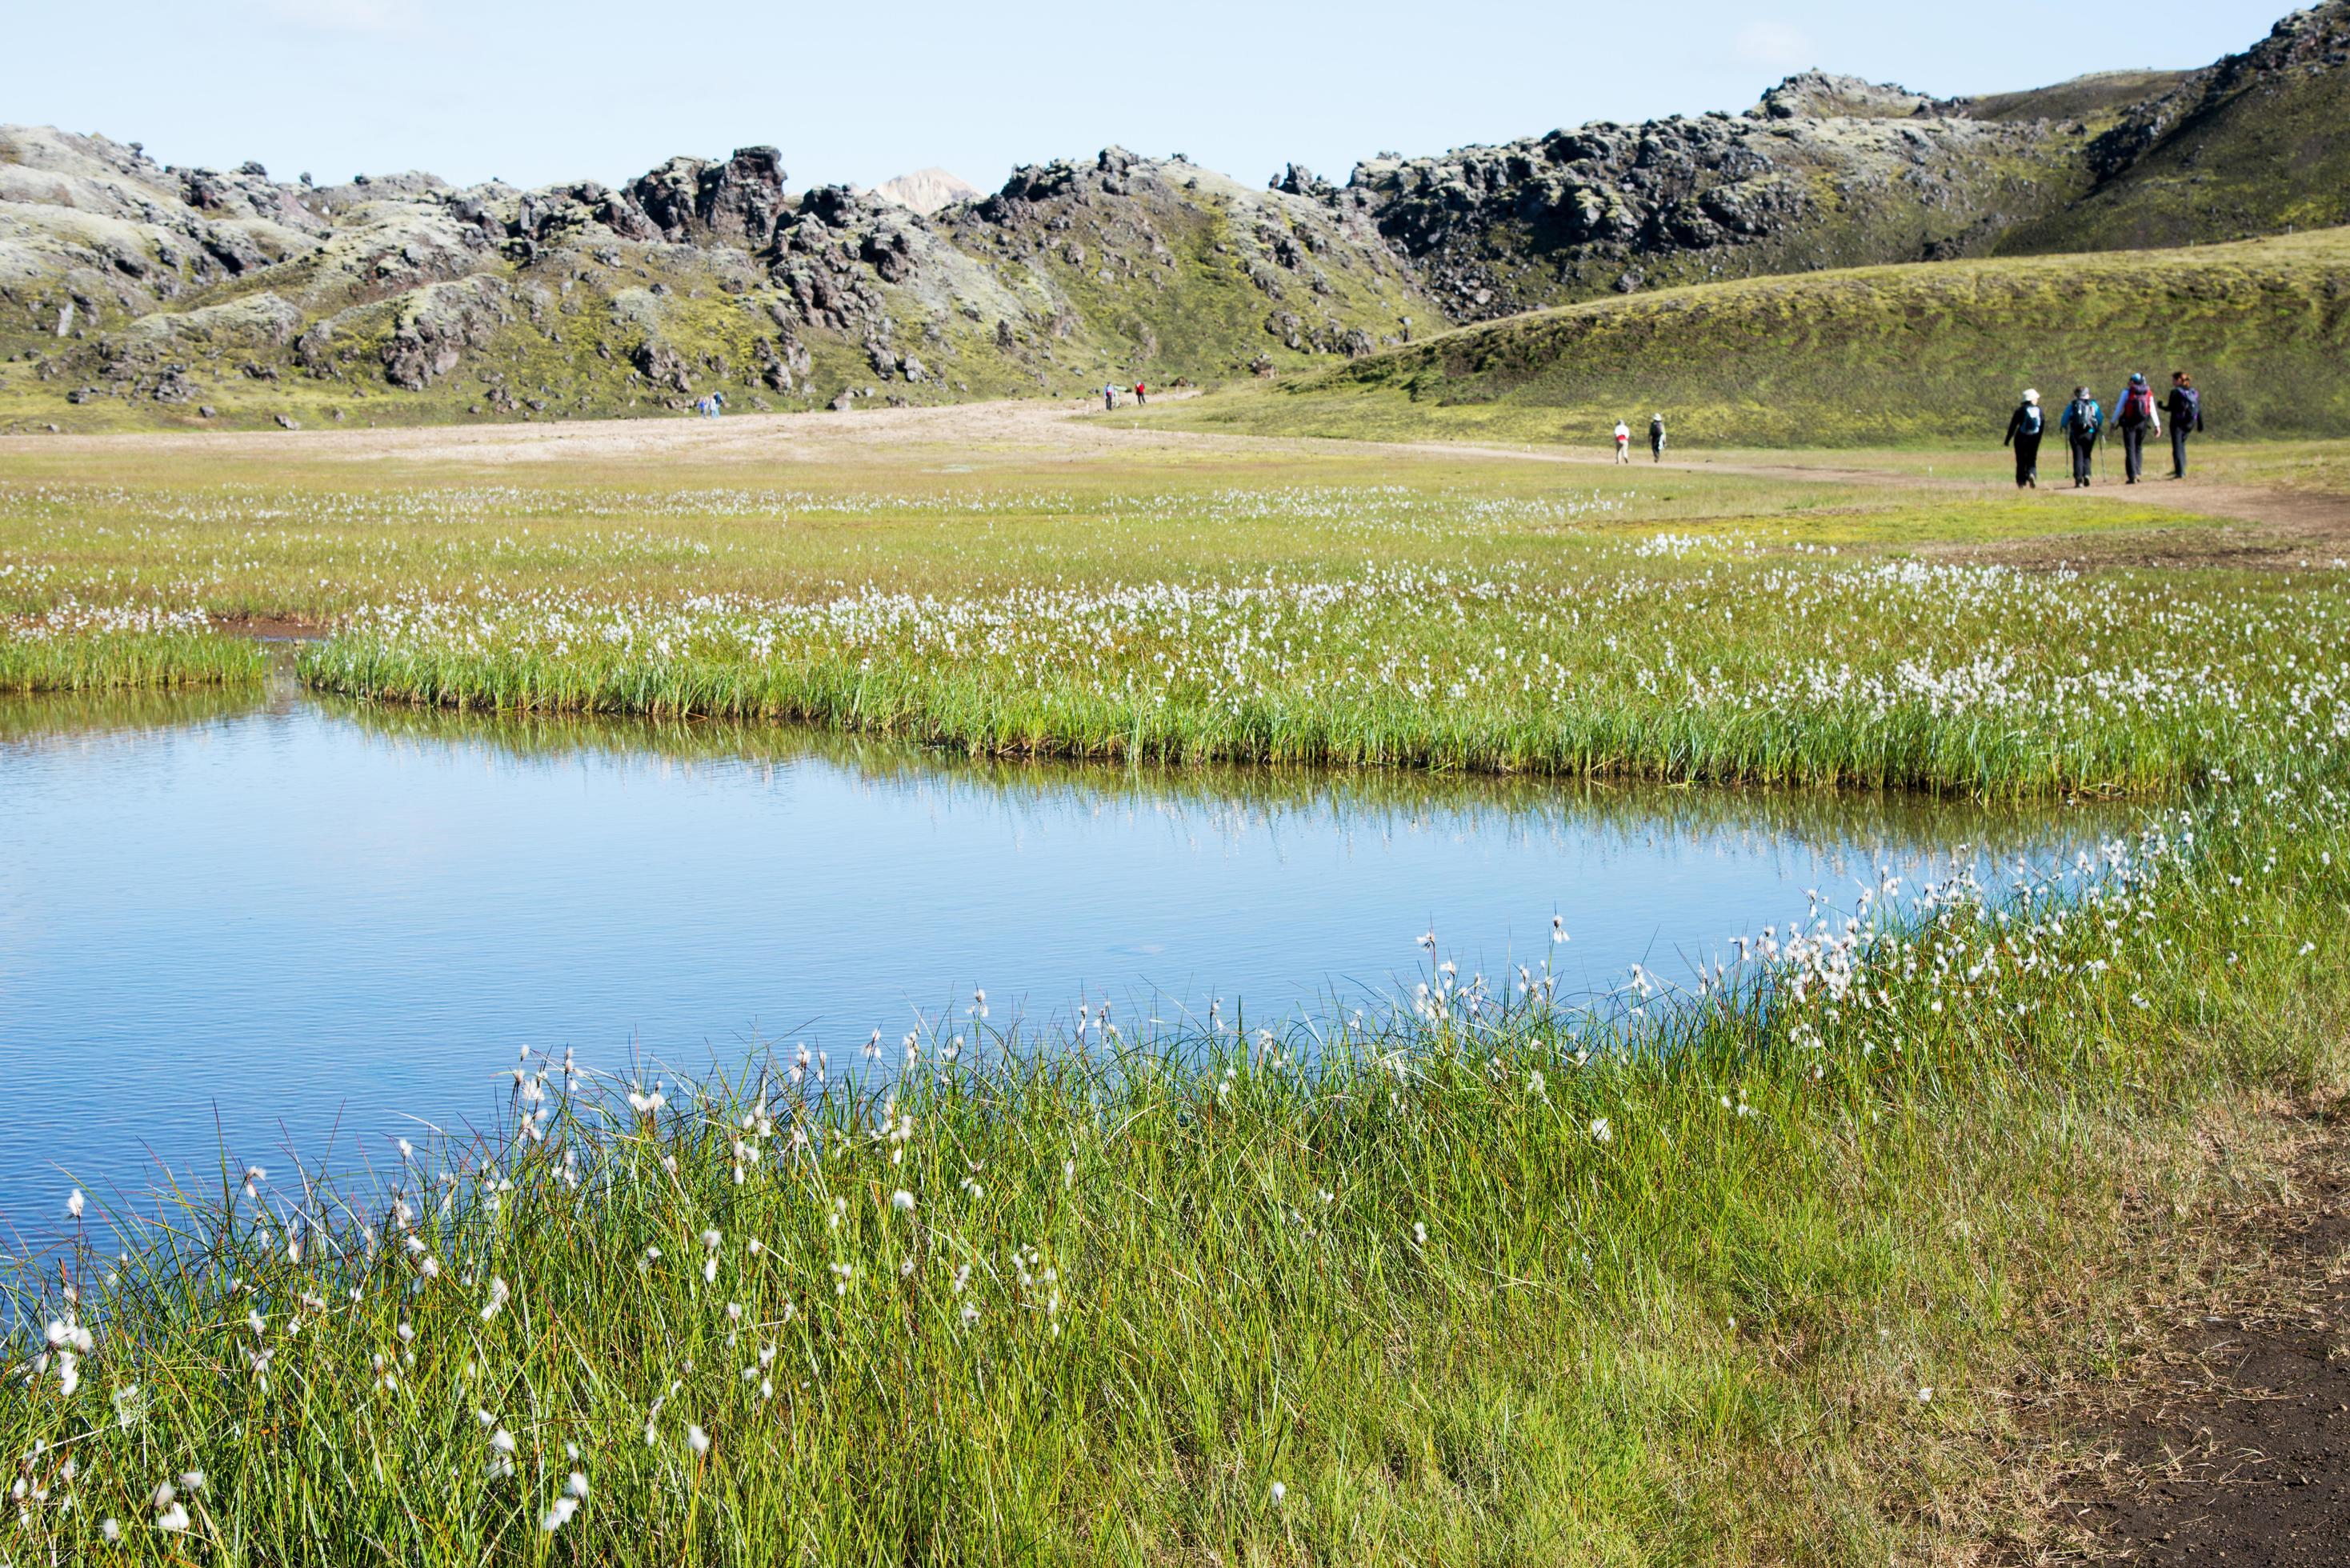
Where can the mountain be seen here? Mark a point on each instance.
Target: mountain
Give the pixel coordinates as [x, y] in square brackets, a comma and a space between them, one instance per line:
[925, 191]
[1829, 172]
[2257, 143]
[136, 293]
[1924, 352]
[131, 291]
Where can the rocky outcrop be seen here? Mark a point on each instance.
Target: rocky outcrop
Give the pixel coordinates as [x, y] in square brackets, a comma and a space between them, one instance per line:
[1884, 176]
[1817, 95]
[736, 203]
[2306, 42]
[436, 326]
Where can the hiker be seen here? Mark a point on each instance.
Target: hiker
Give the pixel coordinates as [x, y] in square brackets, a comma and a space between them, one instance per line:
[1109, 398]
[1656, 438]
[2135, 417]
[2185, 407]
[1141, 395]
[2082, 423]
[1623, 441]
[2023, 431]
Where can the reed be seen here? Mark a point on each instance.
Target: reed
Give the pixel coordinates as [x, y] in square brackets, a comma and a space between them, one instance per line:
[105, 661]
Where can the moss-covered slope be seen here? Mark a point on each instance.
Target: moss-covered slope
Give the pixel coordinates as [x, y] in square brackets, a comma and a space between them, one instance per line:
[1872, 356]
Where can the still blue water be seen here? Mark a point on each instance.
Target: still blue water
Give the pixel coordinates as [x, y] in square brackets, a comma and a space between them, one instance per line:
[302, 928]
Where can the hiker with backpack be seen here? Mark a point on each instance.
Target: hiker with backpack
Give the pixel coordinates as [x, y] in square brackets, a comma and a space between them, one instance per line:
[2025, 428]
[2082, 421]
[2136, 418]
[1623, 441]
[1656, 438]
[2185, 407]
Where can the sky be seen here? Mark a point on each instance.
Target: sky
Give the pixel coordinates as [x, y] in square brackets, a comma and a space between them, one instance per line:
[535, 92]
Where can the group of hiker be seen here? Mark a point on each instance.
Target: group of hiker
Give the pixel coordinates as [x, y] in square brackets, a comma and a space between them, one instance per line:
[1656, 439]
[1111, 391]
[2083, 423]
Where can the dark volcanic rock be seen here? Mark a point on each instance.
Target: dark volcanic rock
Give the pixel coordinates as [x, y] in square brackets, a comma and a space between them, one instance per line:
[736, 203]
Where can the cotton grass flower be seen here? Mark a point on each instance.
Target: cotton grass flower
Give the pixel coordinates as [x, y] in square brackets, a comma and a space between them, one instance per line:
[499, 1295]
[698, 1440]
[74, 1201]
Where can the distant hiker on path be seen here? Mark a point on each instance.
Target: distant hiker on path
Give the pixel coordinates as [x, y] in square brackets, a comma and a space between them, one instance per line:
[1109, 398]
[1623, 441]
[2185, 407]
[2023, 431]
[2082, 421]
[1141, 395]
[2135, 417]
[1656, 438]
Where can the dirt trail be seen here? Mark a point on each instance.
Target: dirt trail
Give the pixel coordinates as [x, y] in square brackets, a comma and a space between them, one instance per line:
[2233, 1445]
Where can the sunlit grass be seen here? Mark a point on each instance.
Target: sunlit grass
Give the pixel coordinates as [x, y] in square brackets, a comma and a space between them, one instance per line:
[98, 662]
[1492, 1279]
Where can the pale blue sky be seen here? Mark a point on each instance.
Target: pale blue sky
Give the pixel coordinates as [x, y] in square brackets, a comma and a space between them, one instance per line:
[594, 88]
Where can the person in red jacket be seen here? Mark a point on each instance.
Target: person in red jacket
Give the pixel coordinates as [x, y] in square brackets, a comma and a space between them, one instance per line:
[2136, 417]
[1141, 394]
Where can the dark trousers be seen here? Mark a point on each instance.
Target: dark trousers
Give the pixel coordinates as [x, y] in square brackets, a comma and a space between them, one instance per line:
[2133, 451]
[1656, 448]
[2084, 453]
[2178, 450]
[2027, 460]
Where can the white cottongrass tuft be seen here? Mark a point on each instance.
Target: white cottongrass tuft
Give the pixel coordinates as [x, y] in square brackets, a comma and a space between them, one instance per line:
[74, 1201]
[499, 1294]
[697, 1439]
[902, 1201]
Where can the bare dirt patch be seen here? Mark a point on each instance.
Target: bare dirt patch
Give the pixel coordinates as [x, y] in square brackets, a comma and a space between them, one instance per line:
[2230, 1442]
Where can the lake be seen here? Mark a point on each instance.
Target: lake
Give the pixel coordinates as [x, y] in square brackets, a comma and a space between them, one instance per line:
[306, 927]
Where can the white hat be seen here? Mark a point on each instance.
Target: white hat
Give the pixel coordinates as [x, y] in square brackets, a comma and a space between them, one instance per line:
[2031, 394]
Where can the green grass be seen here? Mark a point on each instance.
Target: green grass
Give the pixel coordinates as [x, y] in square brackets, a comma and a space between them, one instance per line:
[1195, 605]
[1495, 1282]
[1701, 1338]
[105, 661]
[1936, 353]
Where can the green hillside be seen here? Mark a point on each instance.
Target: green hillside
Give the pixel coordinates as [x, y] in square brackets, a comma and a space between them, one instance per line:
[1930, 352]
[2257, 143]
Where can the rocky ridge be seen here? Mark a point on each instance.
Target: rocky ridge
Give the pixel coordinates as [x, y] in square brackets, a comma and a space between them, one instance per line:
[132, 291]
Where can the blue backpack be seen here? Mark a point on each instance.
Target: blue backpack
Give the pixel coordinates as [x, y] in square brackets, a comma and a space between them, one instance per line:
[2029, 424]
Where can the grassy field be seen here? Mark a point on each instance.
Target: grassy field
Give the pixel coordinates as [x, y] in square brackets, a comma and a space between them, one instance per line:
[1936, 353]
[1184, 603]
[1495, 1280]
[1749, 1274]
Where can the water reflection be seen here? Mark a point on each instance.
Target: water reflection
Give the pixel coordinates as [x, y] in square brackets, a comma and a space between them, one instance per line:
[305, 916]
